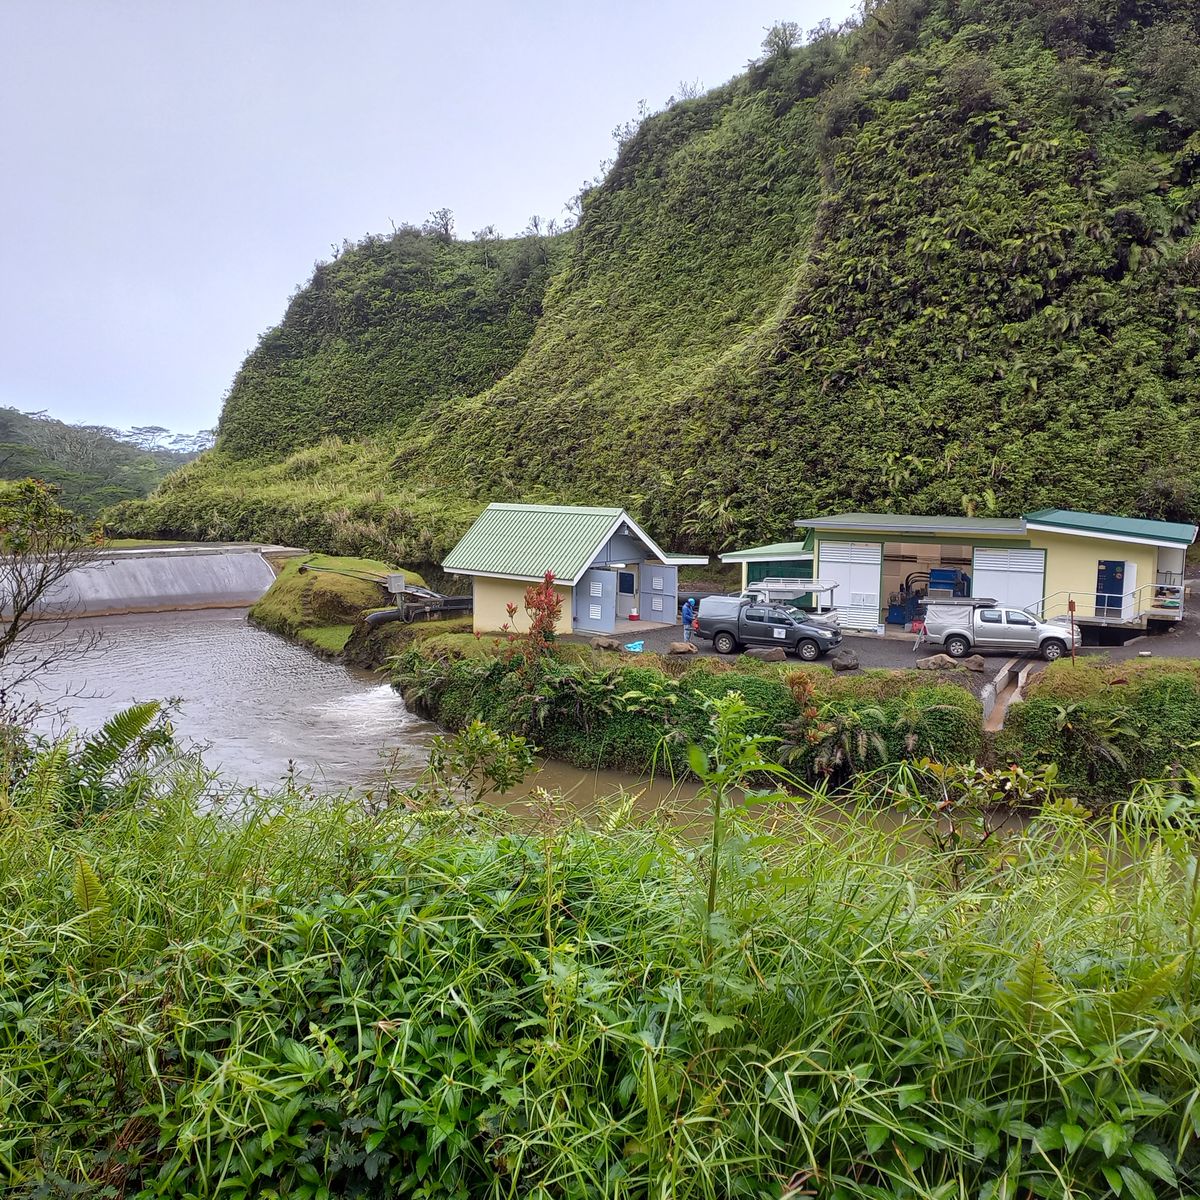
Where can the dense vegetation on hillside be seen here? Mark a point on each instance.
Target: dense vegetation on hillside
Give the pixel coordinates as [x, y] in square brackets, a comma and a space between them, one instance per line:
[93, 466]
[943, 260]
[391, 325]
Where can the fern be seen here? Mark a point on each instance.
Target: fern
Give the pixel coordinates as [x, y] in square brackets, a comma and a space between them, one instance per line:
[1141, 996]
[91, 898]
[1032, 995]
[43, 791]
[104, 750]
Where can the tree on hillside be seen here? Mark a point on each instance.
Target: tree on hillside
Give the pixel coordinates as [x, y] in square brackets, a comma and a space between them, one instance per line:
[780, 39]
[483, 238]
[40, 544]
[146, 437]
[440, 224]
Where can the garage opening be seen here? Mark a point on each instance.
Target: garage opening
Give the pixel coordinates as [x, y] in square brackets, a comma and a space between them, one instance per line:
[913, 571]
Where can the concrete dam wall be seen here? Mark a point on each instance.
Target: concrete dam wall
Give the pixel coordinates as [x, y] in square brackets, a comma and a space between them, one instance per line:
[166, 579]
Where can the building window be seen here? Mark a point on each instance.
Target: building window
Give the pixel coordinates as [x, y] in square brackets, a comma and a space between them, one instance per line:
[625, 583]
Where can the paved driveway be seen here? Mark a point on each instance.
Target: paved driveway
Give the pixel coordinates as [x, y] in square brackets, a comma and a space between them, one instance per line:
[892, 653]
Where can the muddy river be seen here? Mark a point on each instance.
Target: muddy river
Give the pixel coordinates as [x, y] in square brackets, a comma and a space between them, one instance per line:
[261, 708]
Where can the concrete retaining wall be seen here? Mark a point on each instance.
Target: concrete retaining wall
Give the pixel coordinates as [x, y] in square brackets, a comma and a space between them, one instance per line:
[166, 579]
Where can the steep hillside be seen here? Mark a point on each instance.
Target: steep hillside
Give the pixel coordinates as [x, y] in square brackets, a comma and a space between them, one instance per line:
[943, 261]
[390, 325]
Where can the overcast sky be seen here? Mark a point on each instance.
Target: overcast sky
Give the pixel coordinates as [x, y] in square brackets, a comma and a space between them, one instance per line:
[173, 168]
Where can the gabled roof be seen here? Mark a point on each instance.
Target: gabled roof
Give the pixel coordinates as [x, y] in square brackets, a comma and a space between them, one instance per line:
[524, 541]
[1120, 529]
[926, 526]
[775, 552]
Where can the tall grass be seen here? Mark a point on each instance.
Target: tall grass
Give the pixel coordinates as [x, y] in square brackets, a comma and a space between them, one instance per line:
[301, 996]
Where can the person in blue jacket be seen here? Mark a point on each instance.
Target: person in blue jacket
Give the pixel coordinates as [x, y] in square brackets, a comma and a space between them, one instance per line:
[688, 615]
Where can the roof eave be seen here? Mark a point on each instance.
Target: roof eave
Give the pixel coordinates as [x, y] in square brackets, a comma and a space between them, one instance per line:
[1107, 535]
[740, 556]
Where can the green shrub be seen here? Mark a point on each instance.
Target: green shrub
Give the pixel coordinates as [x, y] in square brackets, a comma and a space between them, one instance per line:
[315, 997]
[1108, 725]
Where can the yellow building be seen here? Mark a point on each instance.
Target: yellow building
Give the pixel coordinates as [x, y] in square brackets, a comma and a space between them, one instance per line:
[609, 573]
[1119, 571]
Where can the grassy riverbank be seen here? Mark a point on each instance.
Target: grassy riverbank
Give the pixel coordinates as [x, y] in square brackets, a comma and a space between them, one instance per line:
[1103, 726]
[208, 993]
[318, 598]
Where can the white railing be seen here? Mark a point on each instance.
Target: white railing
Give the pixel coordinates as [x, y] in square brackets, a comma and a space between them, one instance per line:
[1150, 598]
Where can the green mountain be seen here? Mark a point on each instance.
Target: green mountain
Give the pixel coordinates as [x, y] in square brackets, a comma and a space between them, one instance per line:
[946, 260]
[93, 466]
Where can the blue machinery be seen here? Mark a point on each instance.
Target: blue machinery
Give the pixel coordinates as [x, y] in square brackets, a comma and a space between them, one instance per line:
[904, 605]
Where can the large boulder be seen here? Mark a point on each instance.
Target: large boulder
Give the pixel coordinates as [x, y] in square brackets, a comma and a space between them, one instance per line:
[681, 648]
[973, 662]
[844, 660]
[768, 654]
[937, 662]
[603, 643]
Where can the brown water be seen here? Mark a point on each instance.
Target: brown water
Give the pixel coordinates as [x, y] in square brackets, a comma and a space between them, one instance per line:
[259, 705]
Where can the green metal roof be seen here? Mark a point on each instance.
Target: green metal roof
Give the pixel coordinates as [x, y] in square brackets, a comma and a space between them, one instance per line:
[524, 541]
[925, 526]
[1135, 529]
[776, 552]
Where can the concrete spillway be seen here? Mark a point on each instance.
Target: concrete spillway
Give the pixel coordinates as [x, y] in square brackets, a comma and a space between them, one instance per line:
[166, 579]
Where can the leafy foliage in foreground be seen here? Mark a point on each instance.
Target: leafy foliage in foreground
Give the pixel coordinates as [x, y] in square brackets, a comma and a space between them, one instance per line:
[206, 994]
[944, 259]
[592, 710]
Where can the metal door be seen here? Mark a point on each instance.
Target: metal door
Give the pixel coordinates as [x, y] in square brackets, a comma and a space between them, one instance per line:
[595, 607]
[658, 595]
[1013, 577]
[856, 568]
[1110, 587]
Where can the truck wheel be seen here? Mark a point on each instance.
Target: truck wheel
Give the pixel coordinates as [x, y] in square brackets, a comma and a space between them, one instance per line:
[957, 647]
[809, 650]
[1052, 649]
[724, 643]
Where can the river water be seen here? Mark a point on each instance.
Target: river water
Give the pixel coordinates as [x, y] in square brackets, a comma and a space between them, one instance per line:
[259, 705]
[262, 707]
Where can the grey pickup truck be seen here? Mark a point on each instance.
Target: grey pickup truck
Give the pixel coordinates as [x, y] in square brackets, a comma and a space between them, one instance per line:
[963, 625]
[730, 623]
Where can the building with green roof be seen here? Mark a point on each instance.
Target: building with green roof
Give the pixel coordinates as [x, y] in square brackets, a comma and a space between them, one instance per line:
[1099, 568]
[610, 573]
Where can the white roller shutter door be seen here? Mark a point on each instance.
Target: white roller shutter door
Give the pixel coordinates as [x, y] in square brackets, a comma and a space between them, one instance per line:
[1015, 578]
[855, 567]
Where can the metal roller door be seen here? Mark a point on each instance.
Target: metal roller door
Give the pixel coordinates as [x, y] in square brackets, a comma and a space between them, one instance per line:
[856, 568]
[1015, 578]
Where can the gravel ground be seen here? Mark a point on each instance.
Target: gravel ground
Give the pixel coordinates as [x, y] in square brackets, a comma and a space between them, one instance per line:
[1182, 641]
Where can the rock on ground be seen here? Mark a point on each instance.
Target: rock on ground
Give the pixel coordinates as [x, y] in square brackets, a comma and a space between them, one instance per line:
[768, 654]
[603, 643]
[844, 660]
[973, 662]
[681, 648]
[937, 662]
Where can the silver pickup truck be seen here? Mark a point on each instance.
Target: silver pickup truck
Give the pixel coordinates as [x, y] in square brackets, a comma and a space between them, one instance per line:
[968, 624]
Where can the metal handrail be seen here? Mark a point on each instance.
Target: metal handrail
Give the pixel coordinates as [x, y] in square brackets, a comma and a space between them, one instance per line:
[1103, 605]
